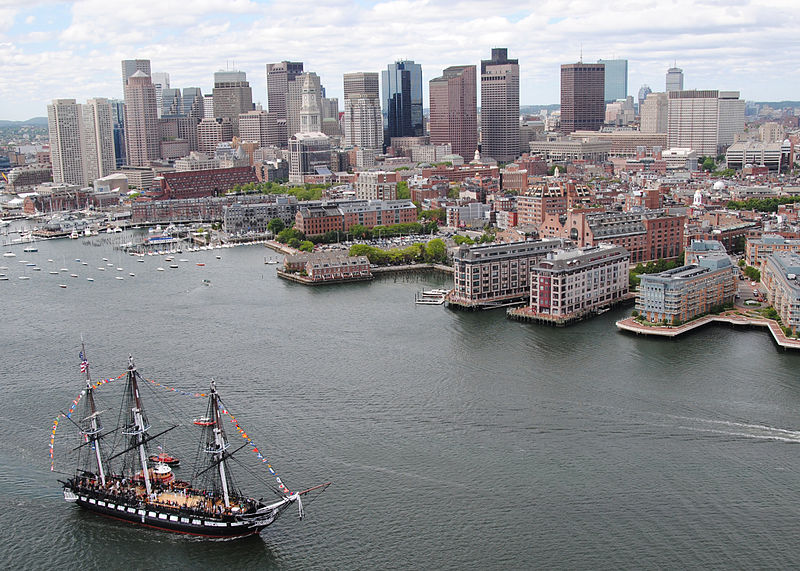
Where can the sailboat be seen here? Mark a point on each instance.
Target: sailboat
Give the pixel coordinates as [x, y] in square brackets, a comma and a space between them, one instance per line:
[126, 484]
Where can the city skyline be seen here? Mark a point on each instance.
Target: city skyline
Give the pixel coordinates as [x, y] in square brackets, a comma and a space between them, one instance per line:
[58, 49]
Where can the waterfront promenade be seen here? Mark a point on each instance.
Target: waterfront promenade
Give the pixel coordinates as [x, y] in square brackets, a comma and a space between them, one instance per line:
[730, 317]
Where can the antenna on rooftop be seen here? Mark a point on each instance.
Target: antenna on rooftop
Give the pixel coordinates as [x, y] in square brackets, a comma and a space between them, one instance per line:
[581, 60]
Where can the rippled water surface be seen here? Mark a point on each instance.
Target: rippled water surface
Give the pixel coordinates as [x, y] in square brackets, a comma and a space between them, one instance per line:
[454, 440]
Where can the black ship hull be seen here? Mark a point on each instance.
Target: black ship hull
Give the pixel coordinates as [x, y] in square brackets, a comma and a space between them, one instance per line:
[174, 520]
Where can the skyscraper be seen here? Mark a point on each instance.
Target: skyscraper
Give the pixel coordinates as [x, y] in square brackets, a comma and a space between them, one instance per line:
[192, 103]
[118, 120]
[279, 75]
[616, 82]
[500, 106]
[582, 97]
[160, 81]
[131, 66]
[232, 96]
[310, 113]
[171, 102]
[363, 121]
[402, 100]
[674, 79]
[98, 139]
[653, 112]
[454, 110]
[81, 140]
[294, 99]
[704, 120]
[66, 141]
[644, 91]
[141, 121]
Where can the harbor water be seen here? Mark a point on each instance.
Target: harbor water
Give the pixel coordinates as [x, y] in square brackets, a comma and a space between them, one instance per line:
[453, 440]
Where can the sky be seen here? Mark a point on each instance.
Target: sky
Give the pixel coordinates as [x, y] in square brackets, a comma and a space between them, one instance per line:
[56, 49]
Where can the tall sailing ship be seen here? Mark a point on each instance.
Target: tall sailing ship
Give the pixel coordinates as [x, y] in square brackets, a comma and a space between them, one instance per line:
[137, 485]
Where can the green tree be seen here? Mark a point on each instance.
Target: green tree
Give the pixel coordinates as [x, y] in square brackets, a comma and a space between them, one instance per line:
[753, 273]
[293, 243]
[430, 227]
[360, 250]
[276, 225]
[708, 164]
[403, 191]
[306, 246]
[454, 191]
[359, 231]
[436, 251]
[290, 233]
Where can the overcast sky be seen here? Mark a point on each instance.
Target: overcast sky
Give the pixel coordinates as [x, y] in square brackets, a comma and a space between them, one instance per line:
[52, 49]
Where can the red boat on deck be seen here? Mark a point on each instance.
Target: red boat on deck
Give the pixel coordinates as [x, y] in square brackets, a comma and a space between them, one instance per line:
[164, 458]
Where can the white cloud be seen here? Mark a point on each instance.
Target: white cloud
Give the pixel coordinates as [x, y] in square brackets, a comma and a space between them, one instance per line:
[729, 44]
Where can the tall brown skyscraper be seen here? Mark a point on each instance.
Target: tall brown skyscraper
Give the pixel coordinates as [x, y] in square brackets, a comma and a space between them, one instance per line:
[142, 140]
[582, 97]
[454, 110]
[279, 75]
[500, 106]
[232, 96]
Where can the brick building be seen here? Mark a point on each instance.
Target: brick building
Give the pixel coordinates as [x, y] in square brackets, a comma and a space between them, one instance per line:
[316, 219]
[492, 275]
[200, 183]
[647, 235]
[577, 281]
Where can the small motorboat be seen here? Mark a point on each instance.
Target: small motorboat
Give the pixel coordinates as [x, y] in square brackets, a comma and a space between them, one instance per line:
[164, 458]
[203, 421]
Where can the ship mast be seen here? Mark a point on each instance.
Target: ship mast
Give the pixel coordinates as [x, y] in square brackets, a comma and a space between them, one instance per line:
[221, 445]
[139, 428]
[93, 431]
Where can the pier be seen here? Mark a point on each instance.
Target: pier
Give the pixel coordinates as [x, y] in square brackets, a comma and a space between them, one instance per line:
[630, 325]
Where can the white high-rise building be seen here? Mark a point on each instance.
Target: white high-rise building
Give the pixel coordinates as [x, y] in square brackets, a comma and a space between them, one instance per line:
[731, 117]
[294, 99]
[98, 139]
[66, 142]
[654, 113]
[208, 106]
[363, 121]
[310, 113]
[704, 120]
[81, 140]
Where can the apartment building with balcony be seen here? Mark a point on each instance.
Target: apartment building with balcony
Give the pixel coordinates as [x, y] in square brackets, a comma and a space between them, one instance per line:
[684, 293]
[492, 275]
[780, 277]
[578, 281]
[759, 249]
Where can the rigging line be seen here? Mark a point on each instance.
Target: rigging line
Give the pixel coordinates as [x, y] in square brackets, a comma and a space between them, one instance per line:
[225, 456]
[257, 475]
[103, 435]
[144, 441]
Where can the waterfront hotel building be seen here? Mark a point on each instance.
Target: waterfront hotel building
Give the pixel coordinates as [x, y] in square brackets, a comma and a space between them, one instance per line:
[492, 275]
[578, 281]
[684, 293]
[779, 274]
